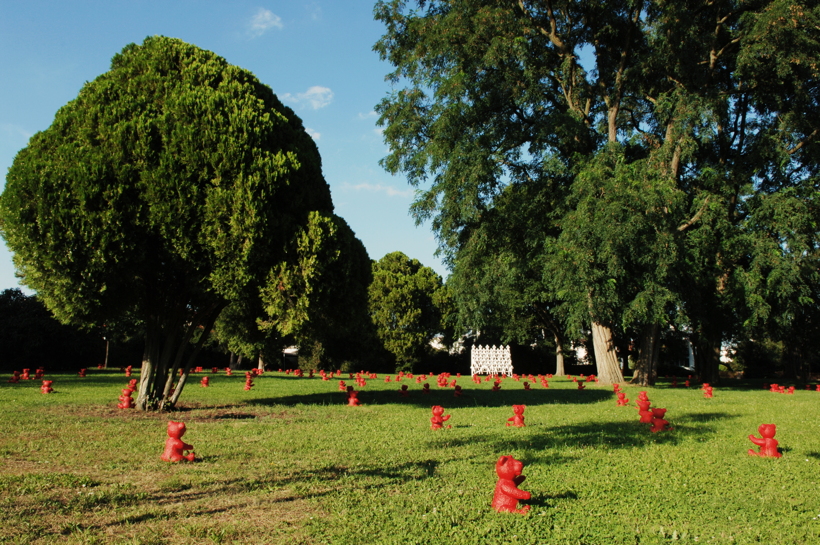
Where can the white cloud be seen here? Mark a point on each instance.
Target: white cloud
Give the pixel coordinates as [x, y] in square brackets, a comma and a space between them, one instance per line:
[262, 21]
[315, 11]
[368, 115]
[379, 188]
[316, 135]
[316, 97]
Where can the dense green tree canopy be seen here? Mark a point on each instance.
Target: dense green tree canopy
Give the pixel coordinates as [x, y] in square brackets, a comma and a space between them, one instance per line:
[675, 144]
[171, 186]
[406, 304]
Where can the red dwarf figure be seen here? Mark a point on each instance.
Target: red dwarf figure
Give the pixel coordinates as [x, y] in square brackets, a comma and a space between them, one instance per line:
[766, 442]
[518, 419]
[622, 399]
[507, 493]
[437, 421]
[204, 382]
[353, 397]
[174, 444]
[658, 423]
[46, 387]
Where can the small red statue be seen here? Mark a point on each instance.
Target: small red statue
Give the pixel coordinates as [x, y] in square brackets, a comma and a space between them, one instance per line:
[766, 442]
[128, 371]
[518, 418]
[403, 392]
[204, 382]
[82, 372]
[544, 383]
[248, 380]
[46, 387]
[342, 386]
[228, 371]
[622, 399]
[507, 493]
[497, 385]
[15, 377]
[38, 374]
[707, 391]
[457, 391]
[132, 385]
[214, 370]
[352, 397]
[26, 375]
[426, 388]
[658, 423]
[526, 385]
[126, 401]
[437, 420]
[581, 386]
[174, 445]
[643, 410]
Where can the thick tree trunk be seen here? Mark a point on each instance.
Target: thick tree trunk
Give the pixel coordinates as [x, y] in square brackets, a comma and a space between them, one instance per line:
[646, 367]
[559, 356]
[609, 372]
[260, 363]
[707, 359]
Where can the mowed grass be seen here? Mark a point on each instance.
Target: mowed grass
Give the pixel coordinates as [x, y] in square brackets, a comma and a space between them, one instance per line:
[290, 462]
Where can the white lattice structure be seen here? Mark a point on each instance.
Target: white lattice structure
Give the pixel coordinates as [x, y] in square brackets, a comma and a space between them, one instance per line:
[491, 361]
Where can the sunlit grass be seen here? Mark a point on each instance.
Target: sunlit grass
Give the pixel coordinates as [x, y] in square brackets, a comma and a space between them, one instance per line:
[289, 462]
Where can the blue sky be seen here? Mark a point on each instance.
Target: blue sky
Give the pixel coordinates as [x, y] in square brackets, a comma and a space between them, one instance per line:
[317, 56]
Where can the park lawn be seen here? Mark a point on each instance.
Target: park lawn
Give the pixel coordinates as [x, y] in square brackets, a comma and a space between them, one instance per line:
[290, 462]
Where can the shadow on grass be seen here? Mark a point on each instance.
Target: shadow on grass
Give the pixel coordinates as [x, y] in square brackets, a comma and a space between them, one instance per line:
[445, 397]
[596, 435]
[547, 500]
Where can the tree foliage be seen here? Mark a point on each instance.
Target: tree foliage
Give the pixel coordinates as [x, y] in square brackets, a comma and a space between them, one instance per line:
[407, 301]
[675, 142]
[170, 187]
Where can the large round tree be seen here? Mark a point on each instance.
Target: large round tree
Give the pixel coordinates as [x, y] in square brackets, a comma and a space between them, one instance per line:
[171, 186]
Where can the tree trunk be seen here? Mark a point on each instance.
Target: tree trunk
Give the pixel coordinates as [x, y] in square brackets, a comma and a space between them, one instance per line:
[609, 372]
[260, 364]
[707, 359]
[646, 367]
[105, 363]
[559, 356]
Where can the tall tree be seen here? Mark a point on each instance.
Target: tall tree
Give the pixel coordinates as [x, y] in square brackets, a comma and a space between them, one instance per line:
[406, 306]
[169, 187]
[650, 124]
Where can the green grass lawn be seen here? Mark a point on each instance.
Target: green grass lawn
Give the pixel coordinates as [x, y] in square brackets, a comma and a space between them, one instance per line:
[290, 462]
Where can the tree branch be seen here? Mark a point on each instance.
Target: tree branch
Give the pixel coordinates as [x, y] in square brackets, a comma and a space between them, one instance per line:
[696, 217]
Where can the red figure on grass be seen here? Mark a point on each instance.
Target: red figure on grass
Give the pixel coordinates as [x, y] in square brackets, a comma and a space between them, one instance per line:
[457, 392]
[15, 377]
[204, 382]
[174, 445]
[507, 493]
[643, 410]
[766, 442]
[581, 386]
[622, 399]
[342, 386]
[26, 375]
[403, 392]
[437, 420]
[518, 418]
[707, 391]
[526, 385]
[426, 388]
[352, 397]
[82, 372]
[658, 423]
[126, 401]
[46, 387]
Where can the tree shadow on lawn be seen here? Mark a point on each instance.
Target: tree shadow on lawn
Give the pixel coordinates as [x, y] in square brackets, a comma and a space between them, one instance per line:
[445, 397]
[596, 435]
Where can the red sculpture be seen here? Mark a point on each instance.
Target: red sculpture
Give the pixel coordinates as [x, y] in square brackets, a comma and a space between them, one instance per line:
[248, 380]
[622, 399]
[707, 391]
[214, 370]
[342, 386]
[544, 383]
[174, 445]
[497, 385]
[643, 410]
[507, 493]
[658, 423]
[457, 392]
[132, 384]
[352, 397]
[126, 401]
[82, 372]
[204, 382]
[38, 374]
[26, 375]
[15, 377]
[46, 387]
[581, 386]
[128, 371]
[766, 442]
[228, 371]
[526, 385]
[426, 388]
[518, 418]
[403, 392]
[437, 421]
